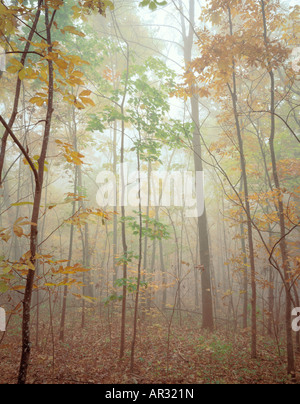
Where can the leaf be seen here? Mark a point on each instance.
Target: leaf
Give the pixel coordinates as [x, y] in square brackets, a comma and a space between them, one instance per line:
[27, 223]
[61, 63]
[3, 287]
[18, 231]
[87, 298]
[12, 69]
[22, 203]
[5, 270]
[27, 255]
[22, 74]
[109, 4]
[18, 287]
[85, 93]
[87, 101]
[76, 161]
[17, 63]
[72, 30]
[38, 101]
[5, 236]
[77, 74]
[152, 4]
[30, 265]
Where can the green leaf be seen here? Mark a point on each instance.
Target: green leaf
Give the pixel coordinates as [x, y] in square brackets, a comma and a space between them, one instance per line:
[153, 4]
[3, 287]
[22, 203]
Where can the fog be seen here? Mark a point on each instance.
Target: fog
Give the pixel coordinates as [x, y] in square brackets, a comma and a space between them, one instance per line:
[149, 192]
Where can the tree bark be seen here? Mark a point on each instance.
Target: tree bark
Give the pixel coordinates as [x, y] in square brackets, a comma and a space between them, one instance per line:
[137, 295]
[207, 301]
[283, 246]
[26, 344]
[234, 97]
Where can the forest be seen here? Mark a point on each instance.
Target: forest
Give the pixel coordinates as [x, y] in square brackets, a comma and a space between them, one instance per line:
[149, 192]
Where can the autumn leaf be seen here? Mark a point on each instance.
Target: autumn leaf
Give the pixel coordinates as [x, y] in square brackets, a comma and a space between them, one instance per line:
[38, 101]
[72, 30]
[22, 74]
[85, 93]
[18, 231]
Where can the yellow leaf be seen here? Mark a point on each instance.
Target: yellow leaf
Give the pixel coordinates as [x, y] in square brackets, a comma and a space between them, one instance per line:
[85, 93]
[22, 74]
[18, 231]
[19, 287]
[38, 101]
[87, 101]
[5, 236]
[77, 74]
[28, 224]
[27, 255]
[77, 161]
[61, 63]
[62, 72]
[16, 62]
[73, 30]
[12, 69]
[30, 265]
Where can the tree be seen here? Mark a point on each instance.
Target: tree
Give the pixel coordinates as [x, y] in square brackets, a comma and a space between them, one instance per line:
[47, 49]
[205, 258]
[222, 75]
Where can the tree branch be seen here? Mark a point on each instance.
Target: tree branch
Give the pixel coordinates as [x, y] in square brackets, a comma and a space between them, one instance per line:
[23, 151]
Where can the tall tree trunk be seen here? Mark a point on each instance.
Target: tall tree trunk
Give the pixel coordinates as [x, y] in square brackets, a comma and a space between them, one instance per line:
[26, 344]
[115, 218]
[73, 135]
[123, 210]
[153, 259]
[234, 96]
[84, 242]
[164, 275]
[65, 293]
[137, 295]
[245, 276]
[207, 301]
[145, 265]
[271, 297]
[125, 248]
[283, 246]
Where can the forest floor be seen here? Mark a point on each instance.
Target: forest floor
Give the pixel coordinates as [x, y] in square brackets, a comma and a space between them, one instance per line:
[90, 355]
